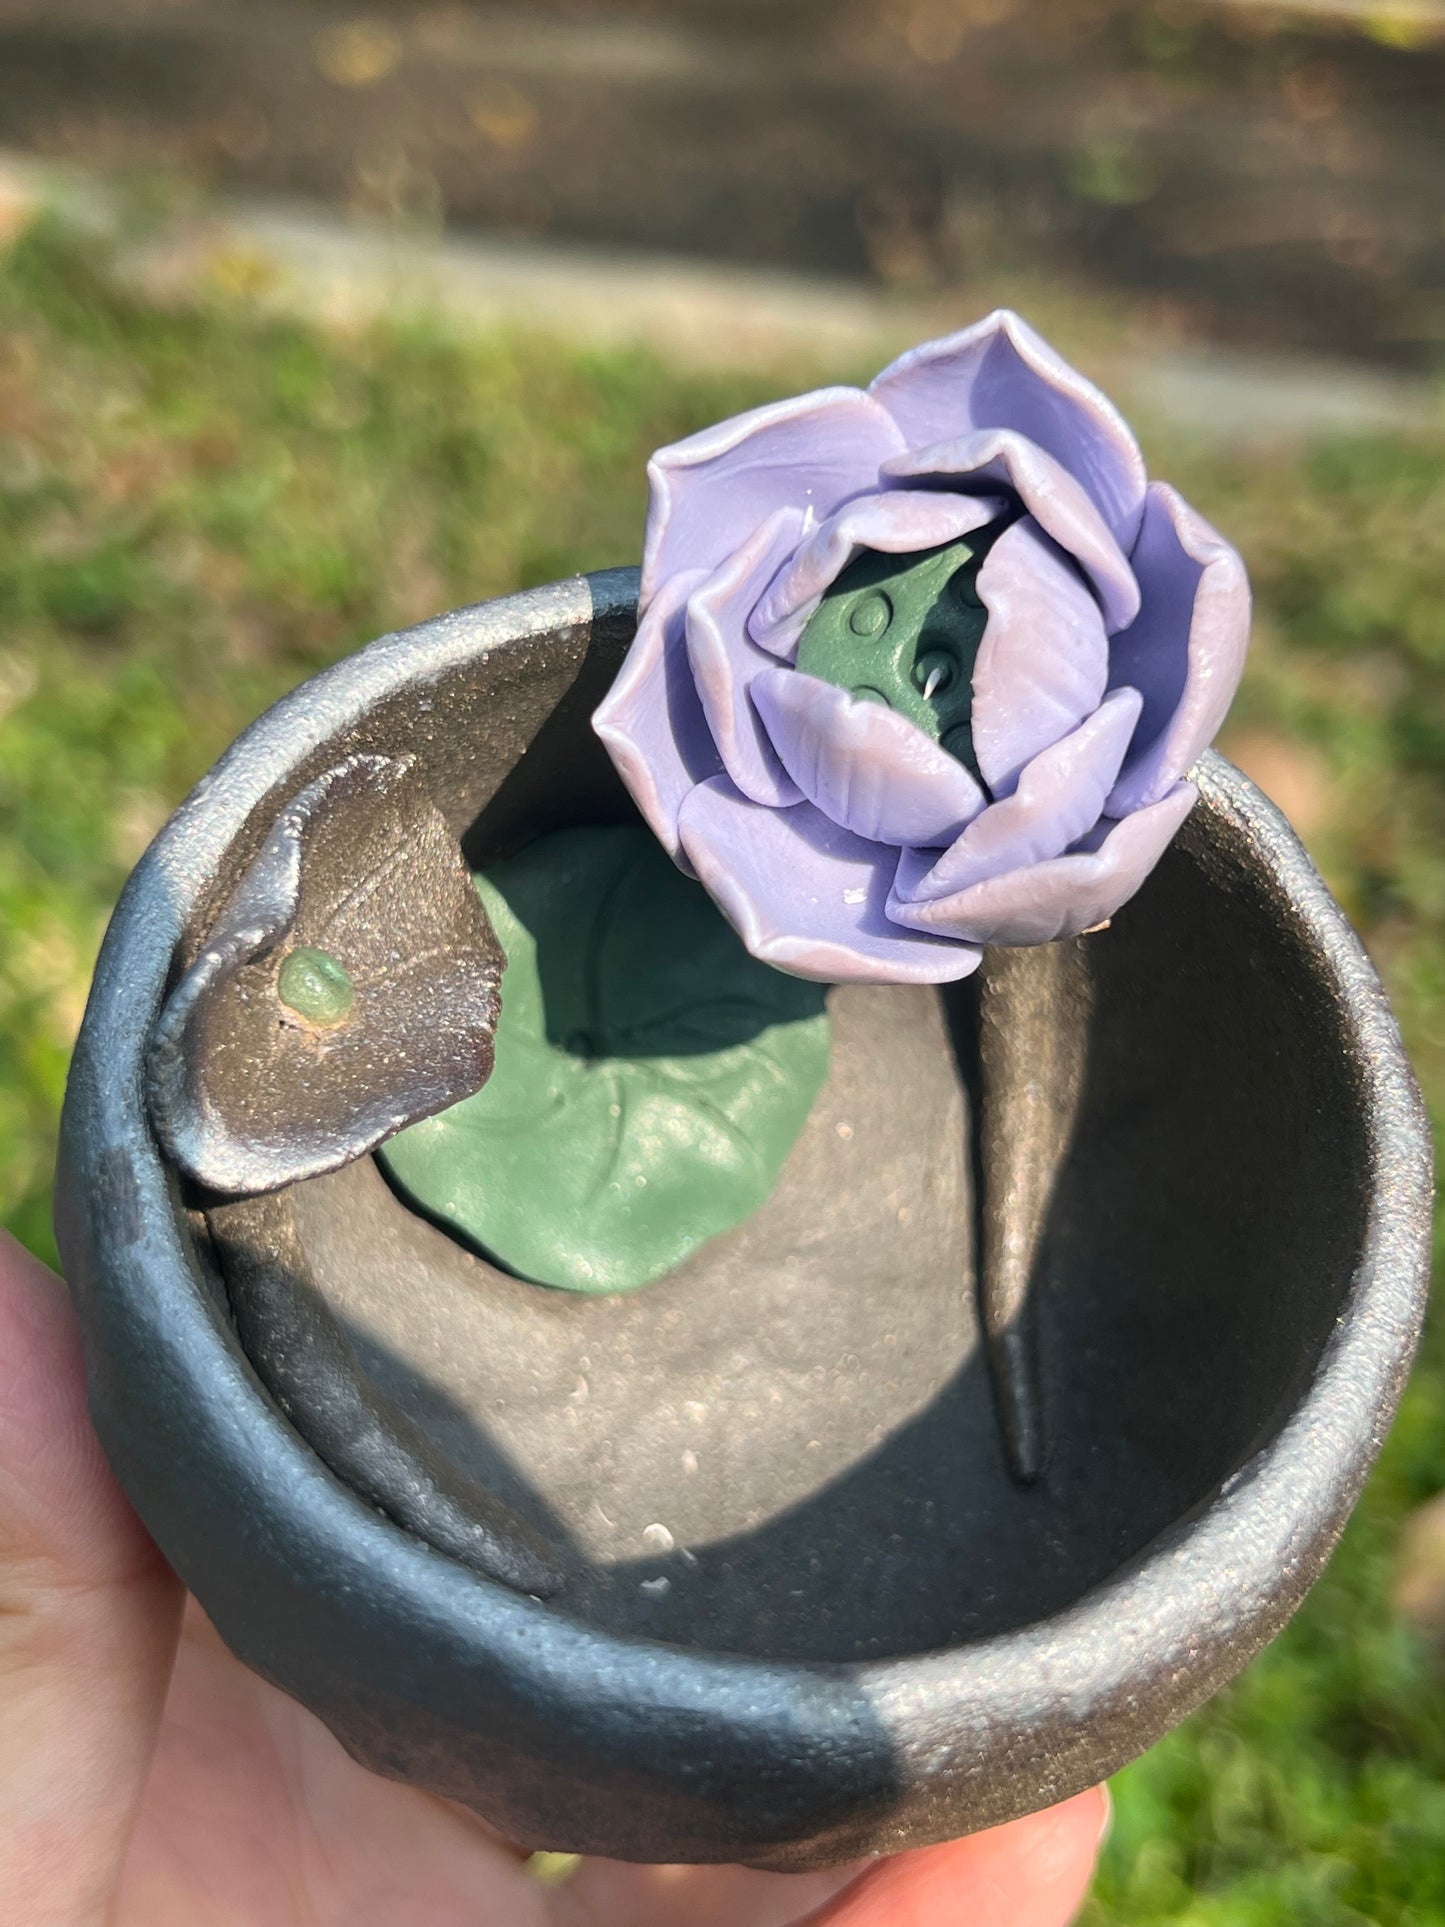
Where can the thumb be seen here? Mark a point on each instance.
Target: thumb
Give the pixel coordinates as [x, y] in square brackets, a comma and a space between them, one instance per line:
[88, 1623]
[1032, 1873]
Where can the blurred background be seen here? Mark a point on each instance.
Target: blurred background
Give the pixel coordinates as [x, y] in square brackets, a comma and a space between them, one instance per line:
[317, 319]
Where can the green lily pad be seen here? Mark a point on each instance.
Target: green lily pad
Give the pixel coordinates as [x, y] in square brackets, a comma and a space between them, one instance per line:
[650, 1075]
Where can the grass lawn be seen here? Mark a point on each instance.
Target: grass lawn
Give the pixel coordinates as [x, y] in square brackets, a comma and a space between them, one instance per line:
[198, 511]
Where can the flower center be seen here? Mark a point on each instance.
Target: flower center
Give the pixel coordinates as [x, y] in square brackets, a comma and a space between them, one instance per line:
[904, 630]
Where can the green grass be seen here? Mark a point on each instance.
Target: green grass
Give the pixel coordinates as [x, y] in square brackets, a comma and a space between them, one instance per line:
[200, 510]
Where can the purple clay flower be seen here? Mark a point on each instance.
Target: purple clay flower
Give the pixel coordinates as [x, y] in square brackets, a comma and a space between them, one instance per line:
[851, 824]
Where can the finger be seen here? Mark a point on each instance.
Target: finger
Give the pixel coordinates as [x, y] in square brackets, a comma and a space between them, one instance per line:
[254, 1815]
[1032, 1873]
[88, 1620]
[615, 1893]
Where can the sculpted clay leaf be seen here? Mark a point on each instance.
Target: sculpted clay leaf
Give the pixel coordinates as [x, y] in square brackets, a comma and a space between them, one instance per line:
[650, 1075]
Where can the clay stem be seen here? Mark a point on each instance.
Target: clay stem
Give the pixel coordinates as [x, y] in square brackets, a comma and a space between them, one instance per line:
[1033, 1042]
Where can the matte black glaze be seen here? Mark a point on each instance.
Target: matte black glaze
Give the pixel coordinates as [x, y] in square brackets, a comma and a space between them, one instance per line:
[1228, 1286]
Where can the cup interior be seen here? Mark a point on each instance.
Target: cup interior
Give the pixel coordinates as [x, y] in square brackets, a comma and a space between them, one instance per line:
[790, 1446]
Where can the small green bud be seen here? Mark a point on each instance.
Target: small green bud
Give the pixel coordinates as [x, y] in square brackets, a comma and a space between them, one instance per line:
[314, 985]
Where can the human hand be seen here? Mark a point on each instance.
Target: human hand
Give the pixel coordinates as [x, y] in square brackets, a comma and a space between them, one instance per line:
[148, 1779]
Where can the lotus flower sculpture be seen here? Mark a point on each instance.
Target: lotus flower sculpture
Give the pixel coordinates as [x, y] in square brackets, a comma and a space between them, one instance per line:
[925, 667]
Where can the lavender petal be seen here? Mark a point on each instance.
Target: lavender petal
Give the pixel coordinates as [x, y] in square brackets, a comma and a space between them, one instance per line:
[1185, 653]
[864, 766]
[651, 721]
[724, 661]
[709, 492]
[1060, 897]
[807, 896]
[899, 522]
[1060, 796]
[1000, 374]
[1044, 661]
[1059, 504]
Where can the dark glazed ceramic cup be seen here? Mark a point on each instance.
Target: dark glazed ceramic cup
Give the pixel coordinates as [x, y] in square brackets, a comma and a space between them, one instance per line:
[805, 1612]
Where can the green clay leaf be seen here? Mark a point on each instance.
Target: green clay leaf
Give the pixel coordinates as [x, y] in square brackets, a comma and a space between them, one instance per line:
[650, 1076]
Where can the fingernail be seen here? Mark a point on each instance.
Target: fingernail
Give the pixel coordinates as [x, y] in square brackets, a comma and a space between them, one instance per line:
[551, 1869]
[1106, 1825]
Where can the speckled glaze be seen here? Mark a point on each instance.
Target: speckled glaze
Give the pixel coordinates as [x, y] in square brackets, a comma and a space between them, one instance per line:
[871, 1635]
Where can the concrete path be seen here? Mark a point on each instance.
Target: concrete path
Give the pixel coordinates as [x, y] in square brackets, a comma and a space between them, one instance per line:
[313, 263]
